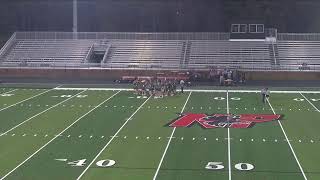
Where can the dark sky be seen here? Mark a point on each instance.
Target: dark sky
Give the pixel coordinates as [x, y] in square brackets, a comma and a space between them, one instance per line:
[159, 15]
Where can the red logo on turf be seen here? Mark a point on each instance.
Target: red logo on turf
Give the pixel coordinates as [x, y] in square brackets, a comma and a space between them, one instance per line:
[222, 120]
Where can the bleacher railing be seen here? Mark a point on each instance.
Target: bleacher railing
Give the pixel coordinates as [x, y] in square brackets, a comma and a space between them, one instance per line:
[125, 35]
[7, 45]
[299, 36]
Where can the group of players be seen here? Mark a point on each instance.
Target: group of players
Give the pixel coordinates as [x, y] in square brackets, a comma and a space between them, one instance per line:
[157, 87]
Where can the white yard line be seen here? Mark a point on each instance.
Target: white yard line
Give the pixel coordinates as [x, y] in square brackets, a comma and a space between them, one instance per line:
[109, 142]
[284, 133]
[2, 178]
[192, 90]
[8, 92]
[28, 99]
[168, 144]
[41, 113]
[310, 102]
[229, 145]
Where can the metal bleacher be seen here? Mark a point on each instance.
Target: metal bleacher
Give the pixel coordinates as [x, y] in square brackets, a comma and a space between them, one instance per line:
[241, 54]
[292, 52]
[48, 51]
[147, 53]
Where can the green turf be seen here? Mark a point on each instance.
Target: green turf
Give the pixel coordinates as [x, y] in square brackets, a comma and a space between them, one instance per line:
[140, 144]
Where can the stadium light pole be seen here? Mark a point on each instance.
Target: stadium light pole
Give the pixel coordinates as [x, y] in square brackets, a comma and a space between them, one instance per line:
[75, 19]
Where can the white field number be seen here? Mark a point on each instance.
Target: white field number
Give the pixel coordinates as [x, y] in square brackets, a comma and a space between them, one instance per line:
[82, 162]
[301, 99]
[239, 166]
[223, 98]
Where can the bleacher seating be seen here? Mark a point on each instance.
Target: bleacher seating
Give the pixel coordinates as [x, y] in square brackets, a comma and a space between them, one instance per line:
[244, 54]
[48, 51]
[292, 54]
[145, 53]
[160, 50]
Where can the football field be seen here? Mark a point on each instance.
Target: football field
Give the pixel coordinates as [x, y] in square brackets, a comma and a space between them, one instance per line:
[100, 133]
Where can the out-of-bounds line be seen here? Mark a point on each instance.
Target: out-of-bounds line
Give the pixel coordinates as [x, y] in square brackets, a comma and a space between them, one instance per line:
[109, 142]
[284, 133]
[192, 90]
[28, 99]
[229, 145]
[41, 113]
[8, 92]
[58, 135]
[168, 144]
[310, 102]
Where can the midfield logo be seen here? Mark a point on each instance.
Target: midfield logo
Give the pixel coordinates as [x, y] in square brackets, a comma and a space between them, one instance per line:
[222, 120]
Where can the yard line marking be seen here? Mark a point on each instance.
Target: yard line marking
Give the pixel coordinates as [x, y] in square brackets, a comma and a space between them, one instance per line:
[229, 145]
[294, 154]
[27, 99]
[43, 112]
[168, 144]
[8, 91]
[310, 102]
[2, 178]
[109, 142]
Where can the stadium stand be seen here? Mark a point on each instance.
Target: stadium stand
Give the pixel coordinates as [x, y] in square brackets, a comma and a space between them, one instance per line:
[293, 52]
[145, 53]
[48, 51]
[242, 54]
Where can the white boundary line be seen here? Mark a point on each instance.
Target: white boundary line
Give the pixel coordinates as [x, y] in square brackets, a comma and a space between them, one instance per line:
[190, 90]
[109, 142]
[310, 102]
[41, 113]
[229, 145]
[284, 133]
[168, 144]
[28, 99]
[2, 178]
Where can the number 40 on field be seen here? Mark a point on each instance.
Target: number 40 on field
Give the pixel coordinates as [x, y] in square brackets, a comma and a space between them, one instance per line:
[108, 163]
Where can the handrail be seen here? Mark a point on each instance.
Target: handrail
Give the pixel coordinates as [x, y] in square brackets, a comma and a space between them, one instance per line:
[127, 35]
[106, 54]
[87, 56]
[274, 54]
[7, 44]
